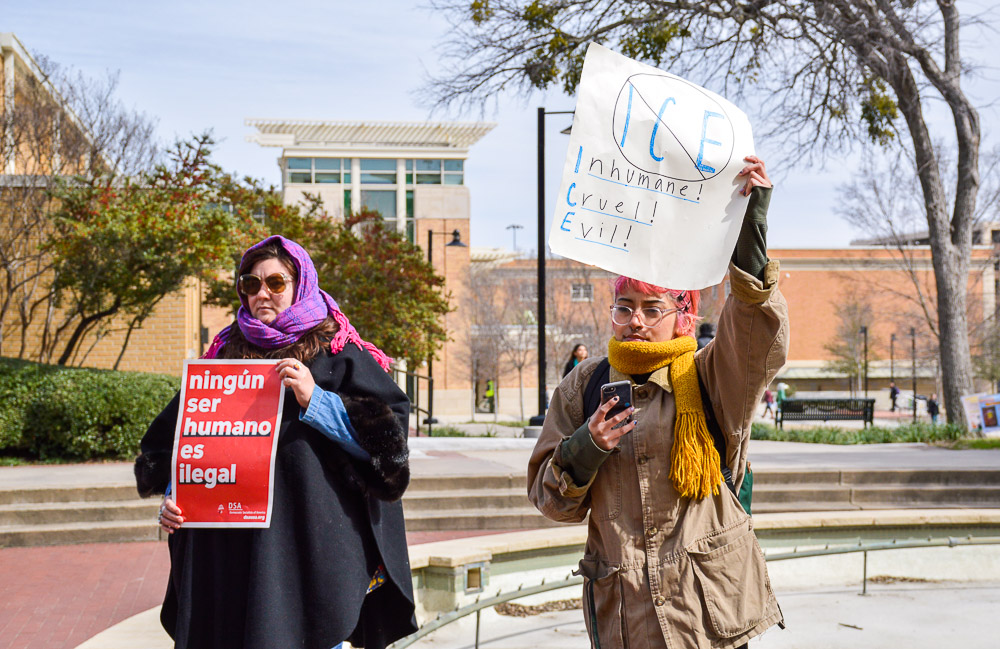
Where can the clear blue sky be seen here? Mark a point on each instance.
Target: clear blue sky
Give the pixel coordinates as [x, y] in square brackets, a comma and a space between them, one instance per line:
[210, 64]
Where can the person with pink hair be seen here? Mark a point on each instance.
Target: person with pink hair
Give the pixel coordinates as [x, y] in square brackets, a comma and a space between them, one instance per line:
[671, 559]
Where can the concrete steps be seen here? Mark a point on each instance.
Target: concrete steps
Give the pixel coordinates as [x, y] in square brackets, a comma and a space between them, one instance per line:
[828, 490]
[100, 493]
[470, 502]
[61, 515]
[464, 499]
[113, 513]
[42, 513]
[88, 532]
[515, 518]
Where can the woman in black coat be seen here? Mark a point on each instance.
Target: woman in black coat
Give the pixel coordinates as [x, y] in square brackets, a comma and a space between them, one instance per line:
[333, 565]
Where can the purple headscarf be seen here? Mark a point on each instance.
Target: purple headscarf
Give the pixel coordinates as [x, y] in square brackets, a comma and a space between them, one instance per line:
[310, 307]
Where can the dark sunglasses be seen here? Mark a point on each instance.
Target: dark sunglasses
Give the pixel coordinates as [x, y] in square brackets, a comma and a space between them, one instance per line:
[250, 284]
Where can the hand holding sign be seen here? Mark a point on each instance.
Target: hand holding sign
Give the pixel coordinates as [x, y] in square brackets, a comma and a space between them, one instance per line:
[225, 441]
[652, 185]
[170, 518]
[755, 174]
[296, 376]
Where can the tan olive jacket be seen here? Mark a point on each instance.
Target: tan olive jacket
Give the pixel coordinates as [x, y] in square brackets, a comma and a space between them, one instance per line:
[661, 570]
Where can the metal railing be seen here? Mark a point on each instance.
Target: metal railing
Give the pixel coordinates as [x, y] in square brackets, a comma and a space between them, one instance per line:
[835, 409]
[444, 619]
[415, 398]
[929, 542]
[479, 604]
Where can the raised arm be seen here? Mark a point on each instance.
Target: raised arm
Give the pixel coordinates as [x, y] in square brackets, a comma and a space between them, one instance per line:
[752, 340]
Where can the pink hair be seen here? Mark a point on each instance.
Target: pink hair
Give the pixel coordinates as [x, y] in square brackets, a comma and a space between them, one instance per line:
[687, 302]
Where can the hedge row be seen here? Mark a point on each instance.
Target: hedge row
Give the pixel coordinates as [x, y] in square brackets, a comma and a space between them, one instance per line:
[48, 411]
[918, 432]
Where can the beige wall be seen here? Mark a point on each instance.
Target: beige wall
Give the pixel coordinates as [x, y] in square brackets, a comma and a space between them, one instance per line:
[816, 283]
[167, 337]
[332, 195]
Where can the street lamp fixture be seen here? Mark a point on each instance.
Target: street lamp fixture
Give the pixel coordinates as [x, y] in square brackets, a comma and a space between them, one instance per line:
[538, 419]
[456, 242]
[515, 227]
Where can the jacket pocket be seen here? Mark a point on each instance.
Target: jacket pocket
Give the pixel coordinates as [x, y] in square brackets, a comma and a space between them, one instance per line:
[606, 492]
[733, 580]
[602, 604]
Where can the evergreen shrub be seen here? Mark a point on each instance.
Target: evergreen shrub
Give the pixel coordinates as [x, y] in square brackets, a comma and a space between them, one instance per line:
[918, 432]
[49, 411]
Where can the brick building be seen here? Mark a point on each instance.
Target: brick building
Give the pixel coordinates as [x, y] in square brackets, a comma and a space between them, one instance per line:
[41, 139]
[895, 285]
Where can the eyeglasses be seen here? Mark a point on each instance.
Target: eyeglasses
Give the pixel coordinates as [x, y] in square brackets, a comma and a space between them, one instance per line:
[649, 316]
[250, 284]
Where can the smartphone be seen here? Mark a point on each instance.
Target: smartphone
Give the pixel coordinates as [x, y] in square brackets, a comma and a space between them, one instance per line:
[622, 390]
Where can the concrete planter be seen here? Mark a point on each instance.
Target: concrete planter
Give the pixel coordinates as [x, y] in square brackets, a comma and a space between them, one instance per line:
[532, 431]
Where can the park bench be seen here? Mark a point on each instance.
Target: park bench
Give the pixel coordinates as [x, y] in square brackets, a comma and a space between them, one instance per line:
[826, 410]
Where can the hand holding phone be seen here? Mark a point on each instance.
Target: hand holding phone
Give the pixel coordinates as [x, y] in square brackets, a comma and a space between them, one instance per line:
[622, 390]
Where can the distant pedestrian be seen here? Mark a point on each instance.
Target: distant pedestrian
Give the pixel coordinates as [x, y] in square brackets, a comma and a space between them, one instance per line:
[491, 395]
[578, 355]
[893, 395]
[933, 409]
[768, 403]
[706, 332]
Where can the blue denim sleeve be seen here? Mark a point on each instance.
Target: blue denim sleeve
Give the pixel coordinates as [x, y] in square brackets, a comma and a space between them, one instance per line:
[327, 414]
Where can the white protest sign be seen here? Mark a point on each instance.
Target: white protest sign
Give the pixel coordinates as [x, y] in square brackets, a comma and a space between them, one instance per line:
[650, 187]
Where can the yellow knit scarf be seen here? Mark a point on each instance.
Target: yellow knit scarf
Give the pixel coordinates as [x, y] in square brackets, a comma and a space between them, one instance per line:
[694, 461]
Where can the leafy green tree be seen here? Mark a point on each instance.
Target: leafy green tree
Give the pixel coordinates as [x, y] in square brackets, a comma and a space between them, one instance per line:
[381, 281]
[120, 246]
[385, 285]
[827, 75]
[63, 123]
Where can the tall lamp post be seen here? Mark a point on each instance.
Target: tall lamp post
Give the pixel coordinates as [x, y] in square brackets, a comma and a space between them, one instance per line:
[456, 241]
[864, 332]
[538, 419]
[515, 227]
[913, 368]
[892, 361]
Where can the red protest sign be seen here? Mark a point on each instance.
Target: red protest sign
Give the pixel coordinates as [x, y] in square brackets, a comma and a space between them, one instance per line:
[225, 442]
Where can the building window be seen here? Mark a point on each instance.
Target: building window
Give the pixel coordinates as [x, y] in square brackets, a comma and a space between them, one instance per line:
[318, 170]
[382, 201]
[435, 172]
[378, 171]
[529, 292]
[410, 226]
[328, 170]
[582, 293]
